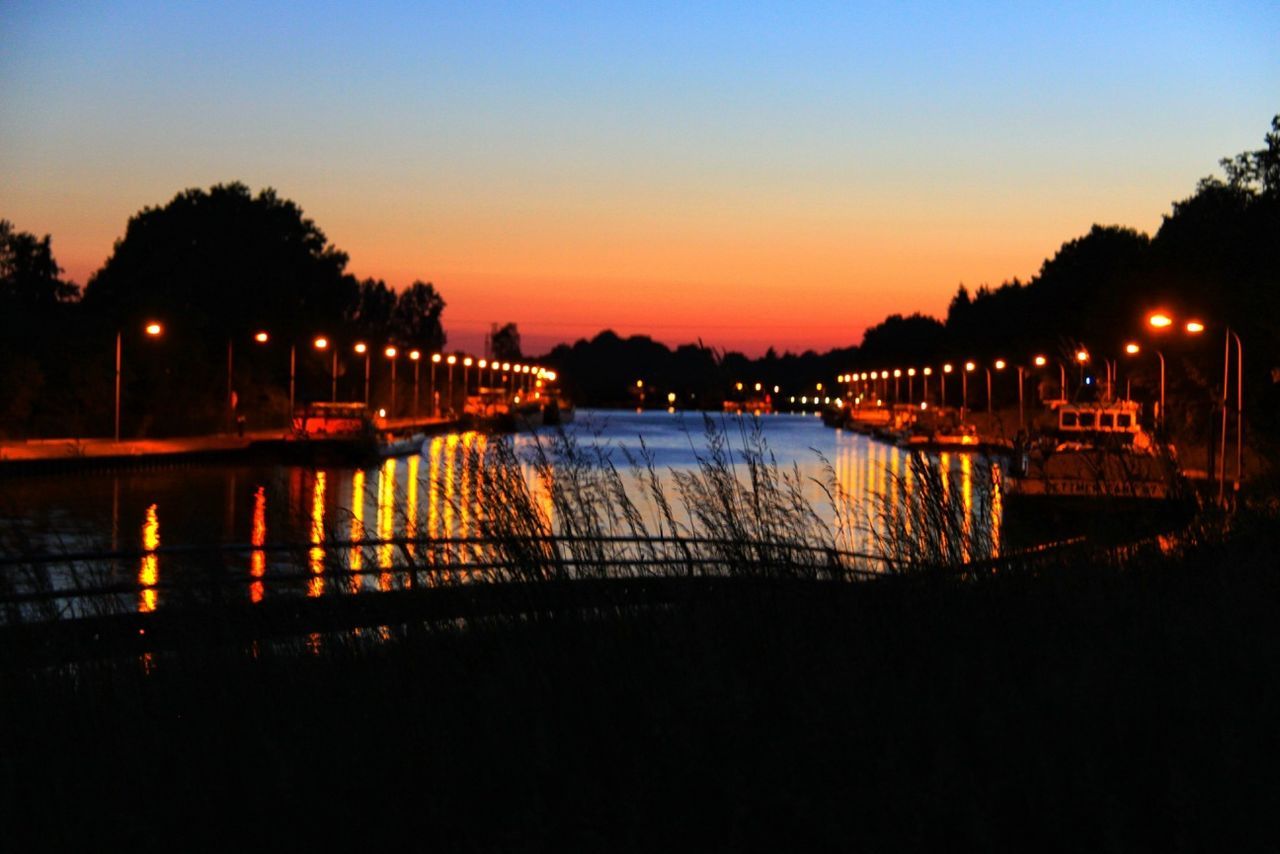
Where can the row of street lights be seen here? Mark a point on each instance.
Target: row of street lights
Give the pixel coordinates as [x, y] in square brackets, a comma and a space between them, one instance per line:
[516, 378]
[1159, 322]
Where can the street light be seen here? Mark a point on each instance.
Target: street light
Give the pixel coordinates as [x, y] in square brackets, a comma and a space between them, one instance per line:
[322, 343]
[466, 383]
[451, 361]
[964, 388]
[363, 350]
[153, 330]
[1133, 349]
[435, 395]
[391, 353]
[414, 356]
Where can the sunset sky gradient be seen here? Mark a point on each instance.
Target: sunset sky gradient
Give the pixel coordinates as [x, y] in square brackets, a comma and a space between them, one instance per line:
[751, 174]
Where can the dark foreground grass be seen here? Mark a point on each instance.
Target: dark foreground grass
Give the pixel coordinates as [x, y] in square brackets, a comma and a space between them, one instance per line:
[1079, 707]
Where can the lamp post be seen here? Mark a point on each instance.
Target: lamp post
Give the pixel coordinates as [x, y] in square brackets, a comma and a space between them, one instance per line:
[363, 349]
[911, 378]
[154, 330]
[946, 369]
[415, 356]
[391, 354]
[435, 395]
[451, 361]
[467, 361]
[260, 337]
[1082, 356]
[924, 394]
[969, 367]
[1000, 365]
[1133, 349]
[322, 343]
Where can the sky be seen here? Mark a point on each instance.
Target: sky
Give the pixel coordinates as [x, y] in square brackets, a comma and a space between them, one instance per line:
[752, 175]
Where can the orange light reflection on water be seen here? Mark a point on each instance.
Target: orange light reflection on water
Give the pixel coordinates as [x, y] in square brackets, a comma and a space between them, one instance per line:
[355, 557]
[258, 537]
[386, 519]
[149, 571]
[316, 585]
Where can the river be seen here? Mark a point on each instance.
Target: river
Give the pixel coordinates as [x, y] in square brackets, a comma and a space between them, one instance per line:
[848, 478]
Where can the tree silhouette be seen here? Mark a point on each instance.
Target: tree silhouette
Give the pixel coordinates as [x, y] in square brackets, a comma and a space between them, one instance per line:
[415, 318]
[29, 276]
[226, 262]
[505, 342]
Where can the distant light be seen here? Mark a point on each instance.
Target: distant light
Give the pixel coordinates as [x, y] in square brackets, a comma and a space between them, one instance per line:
[452, 359]
[946, 369]
[467, 361]
[1082, 356]
[1195, 327]
[1000, 364]
[415, 355]
[321, 343]
[793, 398]
[819, 386]
[875, 375]
[1131, 348]
[506, 366]
[911, 372]
[154, 329]
[361, 348]
[261, 337]
[825, 399]
[671, 397]
[839, 403]
[804, 398]
[759, 387]
[776, 389]
[551, 376]
[924, 405]
[969, 366]
[483, 363]
[390, 352]
[382, 413]
[897, 372]
[639, 383]
[1041, 361]
[1088, 380]
[928, 372]
[1160, 320]
[738, 386]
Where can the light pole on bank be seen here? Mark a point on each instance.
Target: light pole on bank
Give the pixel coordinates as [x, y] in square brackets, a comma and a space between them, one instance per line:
[153, 330]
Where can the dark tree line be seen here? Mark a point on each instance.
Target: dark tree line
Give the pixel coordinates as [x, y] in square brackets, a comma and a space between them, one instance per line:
[1216, 257]
[214, 267]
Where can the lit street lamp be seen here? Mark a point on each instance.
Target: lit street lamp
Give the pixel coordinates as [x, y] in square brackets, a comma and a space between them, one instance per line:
[435, 395]
[363, 349]
[153, 330]
[969, 368]
[391, 354]
[451, 361]
[322, 343]
[414, 356]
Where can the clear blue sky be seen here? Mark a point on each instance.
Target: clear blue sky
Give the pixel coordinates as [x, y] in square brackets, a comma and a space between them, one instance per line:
[678, 168]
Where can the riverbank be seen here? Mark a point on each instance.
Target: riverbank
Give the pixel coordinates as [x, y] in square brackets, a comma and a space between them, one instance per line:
[38, 456]
[1120, 704]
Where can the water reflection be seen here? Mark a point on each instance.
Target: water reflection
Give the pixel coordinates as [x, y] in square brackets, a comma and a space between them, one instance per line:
[316, 585]
[149, 571]
[258, 537]
[436, 495]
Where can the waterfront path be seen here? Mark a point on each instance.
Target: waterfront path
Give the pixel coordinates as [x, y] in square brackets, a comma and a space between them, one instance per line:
[39, 454]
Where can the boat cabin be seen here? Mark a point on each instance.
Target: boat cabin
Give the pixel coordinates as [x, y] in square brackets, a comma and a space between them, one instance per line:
[333, 419]
[1117, 417]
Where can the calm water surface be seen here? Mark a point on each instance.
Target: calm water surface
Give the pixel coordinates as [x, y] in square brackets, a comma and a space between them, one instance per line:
[418, 496]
